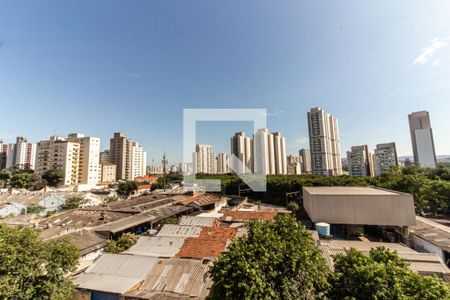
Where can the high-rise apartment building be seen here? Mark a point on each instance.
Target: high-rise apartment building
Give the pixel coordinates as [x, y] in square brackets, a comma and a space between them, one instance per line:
[21, 154]
[222, 161]
[204, 160]
[89, 168]
[269, 153]
[358, 160]
[294, 164]
[77, 157]
[324, 143]
[241, 147]
[279, 147]
[128, 156]
[59, 154]
[384, 158]
[422, 139]
[306, 160]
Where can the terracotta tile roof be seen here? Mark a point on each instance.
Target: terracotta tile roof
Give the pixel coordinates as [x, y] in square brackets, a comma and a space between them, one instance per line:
[189, 200]
[201, 200]
[239, 216]
[200, 248]
[218, 232]
[211, 242]
[144, 187]
[146, 178]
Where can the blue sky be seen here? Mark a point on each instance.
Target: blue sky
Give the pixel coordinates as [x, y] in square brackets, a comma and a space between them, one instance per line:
[97, 67]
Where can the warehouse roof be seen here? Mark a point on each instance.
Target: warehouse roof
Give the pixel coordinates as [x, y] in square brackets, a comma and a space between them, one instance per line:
[242, 216]
[358, 206]
[432, 232]
[424, 263]
[86, 241]
[198, 221]
[115, 273]
[172, 230]
[348, 190]
[175, 278]
[158, 246]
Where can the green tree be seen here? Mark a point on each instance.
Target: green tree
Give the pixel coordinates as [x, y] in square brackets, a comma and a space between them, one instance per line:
[4, 177]
[74, 202]
[277, 260]
[381, 275]
[23, 180]
[35, 209]
[53, 177]
[33, 269]
[127, 188]
[125, 242]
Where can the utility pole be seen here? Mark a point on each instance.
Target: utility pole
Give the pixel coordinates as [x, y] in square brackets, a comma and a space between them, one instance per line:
[164, 165]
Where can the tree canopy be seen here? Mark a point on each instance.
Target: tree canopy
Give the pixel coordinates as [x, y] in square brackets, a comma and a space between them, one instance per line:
[381, 275]
[123, 243]
[277, 260]
[23, 180]
[33, 269]
[127, 188]
[53, 177]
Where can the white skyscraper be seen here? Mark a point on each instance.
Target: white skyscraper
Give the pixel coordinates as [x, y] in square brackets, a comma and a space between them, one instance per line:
[241, 147]
[306, 160]
[324, 143]
[269, 153]
[204, 160]
[422, 139]
[22, 154]
[222, 161]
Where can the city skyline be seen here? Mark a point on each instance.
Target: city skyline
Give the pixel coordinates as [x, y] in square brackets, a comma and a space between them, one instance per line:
[73, 68]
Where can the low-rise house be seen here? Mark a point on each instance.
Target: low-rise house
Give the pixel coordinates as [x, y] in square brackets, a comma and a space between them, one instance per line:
[174, 279]
[11, 209]
[113, 275]
[244, 216]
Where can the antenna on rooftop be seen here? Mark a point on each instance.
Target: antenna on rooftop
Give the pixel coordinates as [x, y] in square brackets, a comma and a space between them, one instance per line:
[164, 165]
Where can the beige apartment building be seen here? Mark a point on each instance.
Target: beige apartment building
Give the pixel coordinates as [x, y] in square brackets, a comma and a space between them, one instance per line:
[59, 154]
[128, 156]
[241, 147]
[107, 172]
[222, 161]
[88, 168]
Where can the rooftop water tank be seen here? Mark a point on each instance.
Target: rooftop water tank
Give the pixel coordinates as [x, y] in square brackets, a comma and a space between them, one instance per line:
[323, 229]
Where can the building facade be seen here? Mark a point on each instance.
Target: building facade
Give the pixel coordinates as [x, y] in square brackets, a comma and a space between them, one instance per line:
[241, 147]
[204, 160]
[107, 172]
[88, 167]
[324, 143]
[128, 156]
[21, 154]
[59, 154]
[422, 139]
[104, 156]
[385, 158]
[306, 160]
[223, 161]
[358, 160]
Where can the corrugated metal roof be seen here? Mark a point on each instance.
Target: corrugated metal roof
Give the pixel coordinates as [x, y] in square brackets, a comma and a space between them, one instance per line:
[424, 263]
[175, 278]
[158, 246]
[172, 230]
[198, 221]
[242, 216]
[432, 232]
[115, 273]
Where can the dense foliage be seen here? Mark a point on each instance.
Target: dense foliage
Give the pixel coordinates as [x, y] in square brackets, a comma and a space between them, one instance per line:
[23, 180]
[276, 260]
[127, 188]
[33, 269]
[74, 202]
[381, 275]
[430, 187]
[53, 177]
[123, 243]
